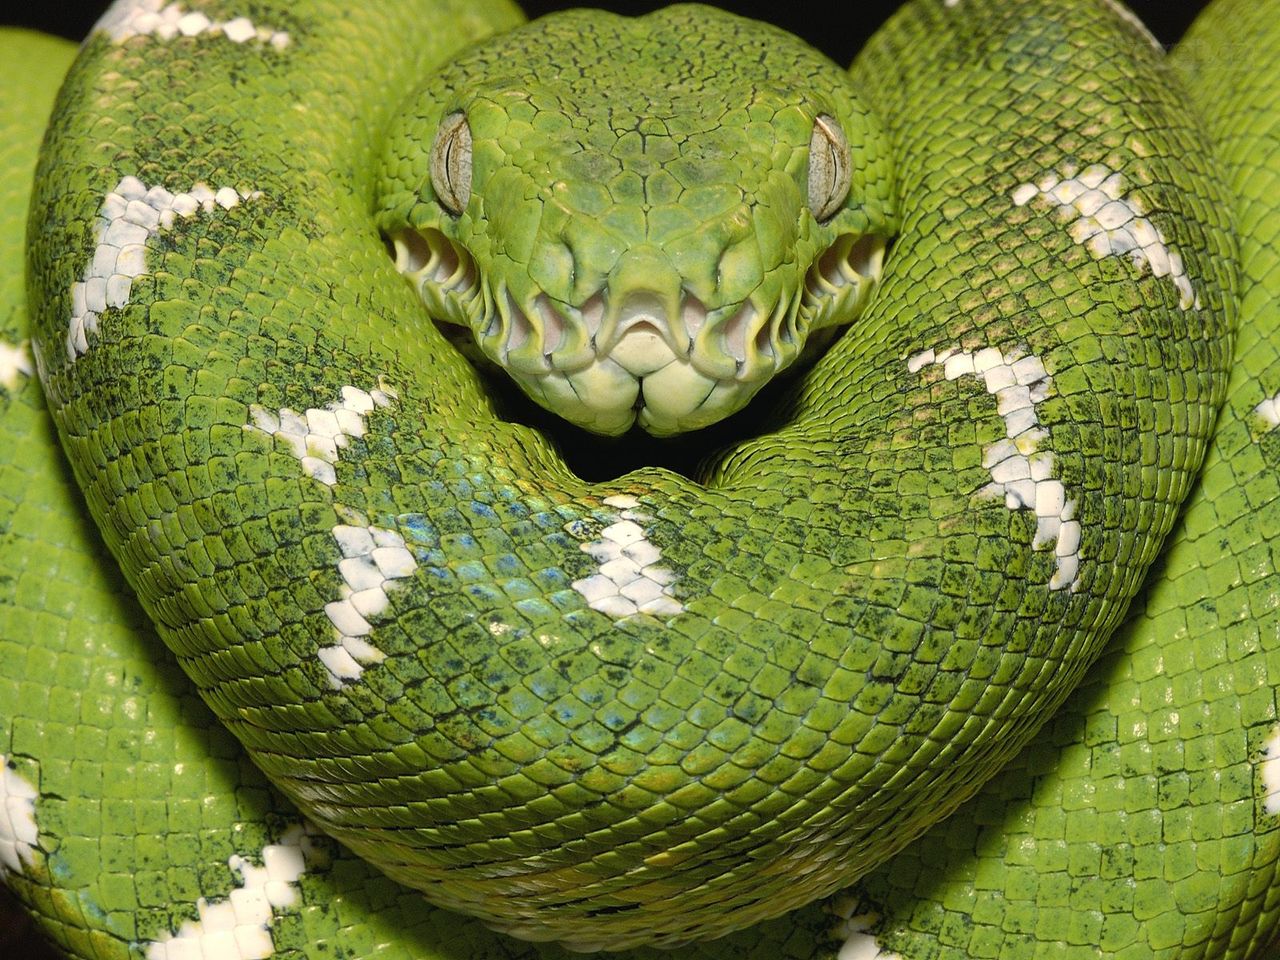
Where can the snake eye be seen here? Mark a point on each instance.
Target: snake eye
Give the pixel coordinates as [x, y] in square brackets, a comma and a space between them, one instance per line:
[451, 163]
[829, 167]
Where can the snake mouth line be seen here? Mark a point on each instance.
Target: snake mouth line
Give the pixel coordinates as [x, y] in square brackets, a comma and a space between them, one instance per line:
[629, 351]
[543, 336]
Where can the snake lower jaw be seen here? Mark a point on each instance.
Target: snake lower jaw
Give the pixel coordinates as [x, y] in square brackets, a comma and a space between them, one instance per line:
[607, 398]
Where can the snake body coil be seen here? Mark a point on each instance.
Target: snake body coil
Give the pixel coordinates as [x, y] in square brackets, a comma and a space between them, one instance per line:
[655, 709]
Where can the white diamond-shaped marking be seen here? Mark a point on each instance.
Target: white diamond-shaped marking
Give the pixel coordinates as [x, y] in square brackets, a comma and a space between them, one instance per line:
[630, 578]
[239, 927]
[317, 436]
[859, 942]
[131, 214]
[1108, 223]
[19, 834]
[155, 18]
[1021, 473]
[373, 559]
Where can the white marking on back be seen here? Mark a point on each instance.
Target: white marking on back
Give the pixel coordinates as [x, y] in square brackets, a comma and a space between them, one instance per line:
[1269, 411]
[1271, 773]
[1021, 473]
[155, 18]
[15, 363]
[19, 835]
[317, 435]
[859, 942]
[239, 927]
[630, 579]
[131, 214]
[372, 560]
[1109, 224]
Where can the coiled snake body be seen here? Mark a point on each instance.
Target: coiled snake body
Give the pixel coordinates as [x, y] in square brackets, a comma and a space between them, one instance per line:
[654, 710]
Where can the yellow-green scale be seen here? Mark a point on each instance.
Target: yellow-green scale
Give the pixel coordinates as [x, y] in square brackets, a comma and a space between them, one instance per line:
[838, 580]
[1141, 823]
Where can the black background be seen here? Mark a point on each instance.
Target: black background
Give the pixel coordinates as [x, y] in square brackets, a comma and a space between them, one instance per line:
[825, 25]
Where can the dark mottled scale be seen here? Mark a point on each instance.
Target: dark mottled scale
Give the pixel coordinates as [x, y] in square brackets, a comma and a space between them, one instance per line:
[859, 630]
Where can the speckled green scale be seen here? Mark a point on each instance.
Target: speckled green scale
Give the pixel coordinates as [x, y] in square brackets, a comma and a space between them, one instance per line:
[667, 191]
[392, 596]
[507, 748]
[1142, 821]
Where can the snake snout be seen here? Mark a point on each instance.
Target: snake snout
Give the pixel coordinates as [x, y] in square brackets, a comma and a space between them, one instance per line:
[643, 334]
[643, 348]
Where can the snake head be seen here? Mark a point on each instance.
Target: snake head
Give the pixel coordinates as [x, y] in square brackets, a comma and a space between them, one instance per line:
[639, 220]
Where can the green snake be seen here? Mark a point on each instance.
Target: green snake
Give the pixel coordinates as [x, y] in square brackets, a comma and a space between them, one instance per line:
[428, 656]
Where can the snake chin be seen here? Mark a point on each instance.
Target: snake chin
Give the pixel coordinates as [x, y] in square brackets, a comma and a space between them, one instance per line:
[653, 356]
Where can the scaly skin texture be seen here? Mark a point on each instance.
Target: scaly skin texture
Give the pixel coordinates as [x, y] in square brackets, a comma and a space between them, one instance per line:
[677, 202]
[832, 628]
[412, 616]
[1142, 820]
